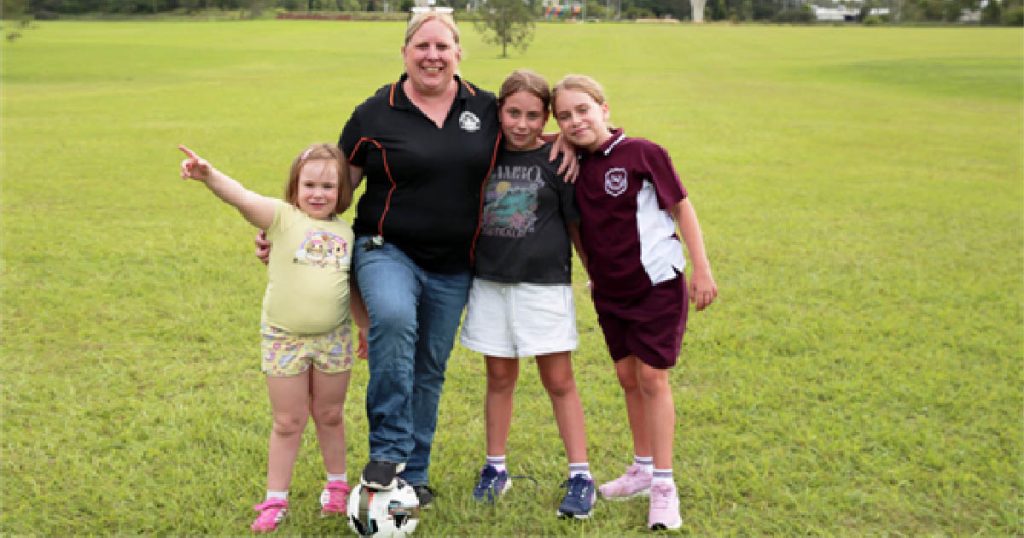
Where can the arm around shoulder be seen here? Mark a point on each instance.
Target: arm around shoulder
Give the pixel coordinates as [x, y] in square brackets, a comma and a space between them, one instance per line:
[355, 175]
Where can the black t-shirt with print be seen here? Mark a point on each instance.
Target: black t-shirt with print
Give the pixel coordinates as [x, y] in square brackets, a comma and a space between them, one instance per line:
[523, 235]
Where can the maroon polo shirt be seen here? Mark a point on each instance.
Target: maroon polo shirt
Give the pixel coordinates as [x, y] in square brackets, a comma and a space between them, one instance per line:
[624, 191]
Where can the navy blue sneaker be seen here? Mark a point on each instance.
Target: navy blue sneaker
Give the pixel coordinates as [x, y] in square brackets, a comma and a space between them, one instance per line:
[579, 498]
[492, 484]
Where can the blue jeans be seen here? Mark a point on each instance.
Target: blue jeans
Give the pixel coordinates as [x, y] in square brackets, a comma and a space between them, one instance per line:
[414, 315]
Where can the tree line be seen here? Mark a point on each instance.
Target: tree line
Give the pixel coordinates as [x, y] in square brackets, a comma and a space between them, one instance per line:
[1008, 12]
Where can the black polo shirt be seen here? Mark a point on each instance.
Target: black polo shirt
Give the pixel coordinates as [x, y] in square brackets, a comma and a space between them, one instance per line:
[423, 183]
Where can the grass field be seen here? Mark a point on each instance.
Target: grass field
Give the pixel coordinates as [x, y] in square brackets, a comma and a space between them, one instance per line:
[861, 195]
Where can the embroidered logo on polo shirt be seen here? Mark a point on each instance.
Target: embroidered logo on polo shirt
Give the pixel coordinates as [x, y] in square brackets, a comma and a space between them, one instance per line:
[615, 181]
[469, 122]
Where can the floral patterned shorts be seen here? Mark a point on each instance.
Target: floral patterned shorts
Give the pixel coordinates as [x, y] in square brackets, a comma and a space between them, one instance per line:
[287, 354]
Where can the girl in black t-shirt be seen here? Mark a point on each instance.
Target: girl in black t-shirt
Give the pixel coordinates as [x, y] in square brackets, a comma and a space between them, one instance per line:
[521, 300]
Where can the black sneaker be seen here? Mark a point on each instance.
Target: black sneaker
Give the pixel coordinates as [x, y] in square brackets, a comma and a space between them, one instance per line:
[381, 474]
[425, 494]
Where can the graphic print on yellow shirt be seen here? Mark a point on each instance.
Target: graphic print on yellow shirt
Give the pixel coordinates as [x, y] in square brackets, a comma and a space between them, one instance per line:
[322, 248]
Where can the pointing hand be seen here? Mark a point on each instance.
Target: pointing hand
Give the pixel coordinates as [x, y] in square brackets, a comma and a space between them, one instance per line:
[194, 167]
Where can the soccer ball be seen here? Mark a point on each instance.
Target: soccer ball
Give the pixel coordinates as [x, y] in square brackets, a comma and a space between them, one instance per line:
[383, 513]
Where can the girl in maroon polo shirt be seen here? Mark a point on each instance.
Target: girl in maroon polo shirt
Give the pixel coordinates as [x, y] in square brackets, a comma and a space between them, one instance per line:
[630, 202]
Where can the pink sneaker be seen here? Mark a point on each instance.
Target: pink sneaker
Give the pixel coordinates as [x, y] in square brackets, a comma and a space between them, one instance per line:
[635, 483]
[664, 511]
[334, 499]
[272, 511]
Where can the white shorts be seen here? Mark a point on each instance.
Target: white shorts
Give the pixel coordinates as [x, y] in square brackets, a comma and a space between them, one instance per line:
[519, 320]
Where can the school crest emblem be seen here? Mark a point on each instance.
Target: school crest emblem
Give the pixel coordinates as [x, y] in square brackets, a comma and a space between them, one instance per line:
[469, 122]
[615, 181]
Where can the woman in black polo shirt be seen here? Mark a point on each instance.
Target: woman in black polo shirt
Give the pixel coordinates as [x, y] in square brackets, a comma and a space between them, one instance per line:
[425, 145]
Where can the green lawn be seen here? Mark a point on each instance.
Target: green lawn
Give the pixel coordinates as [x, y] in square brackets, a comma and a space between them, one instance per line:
[861, 195]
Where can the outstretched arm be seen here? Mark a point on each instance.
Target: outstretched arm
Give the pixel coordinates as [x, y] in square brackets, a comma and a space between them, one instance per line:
[257, 209]
[703, 289]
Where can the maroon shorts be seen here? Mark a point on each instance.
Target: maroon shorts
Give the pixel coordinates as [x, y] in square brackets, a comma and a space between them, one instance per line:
[651, 327]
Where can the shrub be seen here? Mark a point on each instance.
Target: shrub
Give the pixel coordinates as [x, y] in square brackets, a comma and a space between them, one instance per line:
[1014, 16]
[634, 12]
[802, 15]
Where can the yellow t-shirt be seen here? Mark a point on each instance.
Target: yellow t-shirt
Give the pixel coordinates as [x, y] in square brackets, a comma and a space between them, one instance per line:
[308, 285]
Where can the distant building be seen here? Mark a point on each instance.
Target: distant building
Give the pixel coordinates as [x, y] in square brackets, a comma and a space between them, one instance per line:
[844, 13]
[835, 14]
[972, 16]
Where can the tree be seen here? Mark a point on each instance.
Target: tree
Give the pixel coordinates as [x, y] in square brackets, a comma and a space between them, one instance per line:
[991, 13]
[14, 9]
[506, 22]
[1013, 12]
[255, 7]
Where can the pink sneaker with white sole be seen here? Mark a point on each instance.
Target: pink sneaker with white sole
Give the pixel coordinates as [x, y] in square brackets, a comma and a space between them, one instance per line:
[272, 511]
[334, 499]
[635, 483]
[664, 511]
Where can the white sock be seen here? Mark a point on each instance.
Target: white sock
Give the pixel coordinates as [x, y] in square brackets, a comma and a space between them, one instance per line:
[662, 476]
[580, 468]
[646, 463]
[283, 495]
[498, 462]
[343, 477]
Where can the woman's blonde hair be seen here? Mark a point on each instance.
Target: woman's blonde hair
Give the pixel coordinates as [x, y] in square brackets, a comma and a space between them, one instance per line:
[524, 80]
[320, 152]
[579, 83]
[419, 19]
